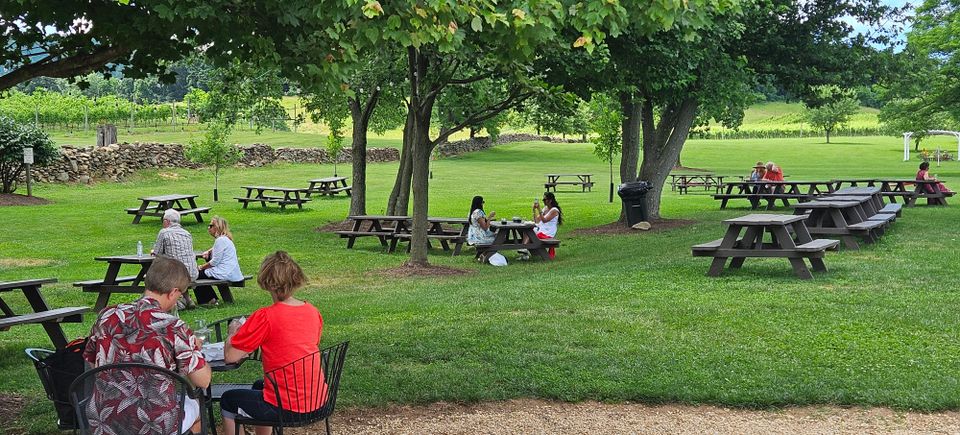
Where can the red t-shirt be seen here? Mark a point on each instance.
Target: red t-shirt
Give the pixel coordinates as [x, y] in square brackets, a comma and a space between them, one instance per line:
[284, 334]
[776, 174]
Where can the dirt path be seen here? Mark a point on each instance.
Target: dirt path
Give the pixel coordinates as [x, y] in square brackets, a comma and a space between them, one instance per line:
[540, 417]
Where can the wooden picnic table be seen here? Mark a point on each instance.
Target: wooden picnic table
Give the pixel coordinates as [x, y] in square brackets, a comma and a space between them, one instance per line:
[49, 318]
[789, 239]
[845, 217]
[380, 226]
[772, 191]
[112, 282]
[583, 180]
[907, 189]
[682, 182]
[398, 228]
[291, 195]
[328, 186]
[164, 202]
[509, 237]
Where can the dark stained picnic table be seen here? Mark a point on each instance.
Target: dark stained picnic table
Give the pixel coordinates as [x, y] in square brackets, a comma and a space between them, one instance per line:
[398, 228]
[291, 195]
[789, 239]
[907, 189]
[683, 182]
[583, 180]
[772, 191]
[844, 217]
[49, 318]
[509, 237]
[328, 186]
[164, 202]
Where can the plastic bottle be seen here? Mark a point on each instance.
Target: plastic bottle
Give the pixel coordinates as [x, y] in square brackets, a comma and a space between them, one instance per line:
[139, 248]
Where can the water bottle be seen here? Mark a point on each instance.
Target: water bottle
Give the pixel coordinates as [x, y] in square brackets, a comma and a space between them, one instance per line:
[139, 248]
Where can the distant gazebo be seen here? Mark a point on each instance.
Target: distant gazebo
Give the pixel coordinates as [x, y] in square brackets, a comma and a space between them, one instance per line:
[906, 140]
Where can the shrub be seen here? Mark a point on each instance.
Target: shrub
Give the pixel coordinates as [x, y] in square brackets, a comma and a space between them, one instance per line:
[14, 138]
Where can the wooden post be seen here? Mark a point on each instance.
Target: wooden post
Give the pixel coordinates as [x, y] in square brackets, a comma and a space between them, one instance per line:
[86, 118]
[28, 160]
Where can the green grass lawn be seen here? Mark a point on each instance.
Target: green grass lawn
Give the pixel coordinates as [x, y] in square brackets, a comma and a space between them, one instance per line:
[613, 318]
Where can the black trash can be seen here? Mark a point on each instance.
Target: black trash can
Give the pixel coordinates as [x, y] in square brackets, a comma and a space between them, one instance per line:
[633, 195]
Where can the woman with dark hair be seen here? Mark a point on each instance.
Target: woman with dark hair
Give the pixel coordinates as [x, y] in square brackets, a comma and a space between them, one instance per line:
[547, 220]
[479, 231]
[924, 174]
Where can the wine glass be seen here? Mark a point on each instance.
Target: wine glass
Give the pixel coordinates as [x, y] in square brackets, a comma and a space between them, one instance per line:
[202, 331]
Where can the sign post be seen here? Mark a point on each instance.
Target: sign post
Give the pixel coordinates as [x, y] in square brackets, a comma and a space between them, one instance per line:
[28, 160]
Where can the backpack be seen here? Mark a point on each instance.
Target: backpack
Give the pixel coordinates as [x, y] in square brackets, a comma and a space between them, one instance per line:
[57, 372]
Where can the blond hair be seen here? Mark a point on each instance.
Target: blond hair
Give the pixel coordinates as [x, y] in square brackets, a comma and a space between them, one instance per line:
[220, 227]
[280, 275]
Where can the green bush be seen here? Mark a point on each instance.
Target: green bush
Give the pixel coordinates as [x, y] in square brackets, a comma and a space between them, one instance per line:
[14, 138]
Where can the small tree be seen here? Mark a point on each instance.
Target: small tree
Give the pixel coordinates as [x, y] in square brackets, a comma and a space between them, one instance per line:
[335, 139]
[832, 108]
[605, 122]
[213, 150]
[13, 139]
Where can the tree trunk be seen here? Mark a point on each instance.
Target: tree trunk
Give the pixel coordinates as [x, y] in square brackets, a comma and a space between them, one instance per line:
[662, 149]
[630, 141]
[421, 183]
[358, 153]
[828, 136]
[399, 197]
[106, 135]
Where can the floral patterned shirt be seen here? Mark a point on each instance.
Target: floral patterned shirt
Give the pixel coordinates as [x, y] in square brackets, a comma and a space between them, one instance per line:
[142, 332]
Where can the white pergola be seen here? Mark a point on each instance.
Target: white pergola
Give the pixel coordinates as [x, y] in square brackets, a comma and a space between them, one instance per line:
[906, 140]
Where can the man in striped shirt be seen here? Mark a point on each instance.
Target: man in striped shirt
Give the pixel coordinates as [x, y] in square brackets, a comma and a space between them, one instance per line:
[175, 242]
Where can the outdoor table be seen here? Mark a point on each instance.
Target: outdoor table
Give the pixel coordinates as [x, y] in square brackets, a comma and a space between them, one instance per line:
[436, 231]
[583, 180]
[328, 186]
[771, 191]
[215, 392]
[164, 202]
[845, 217]
[291, 195]
[112, 282]
[683, 182]
[376, 226]
[509, 236]
[789, 239]
[49, 318]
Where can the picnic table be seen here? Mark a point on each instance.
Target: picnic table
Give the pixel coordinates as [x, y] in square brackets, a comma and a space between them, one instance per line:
[399, 228]
[328, 186]
[112, 282]
[772, 191]
[162, 203]
[49, 318]
[290, 195]
[876, 198]
[845, 217]
[583, 180]
[509, 237]
[909, 190]
[789, 239]
[683, 182]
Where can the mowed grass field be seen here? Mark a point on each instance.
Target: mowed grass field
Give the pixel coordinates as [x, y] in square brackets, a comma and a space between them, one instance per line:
[613, 318]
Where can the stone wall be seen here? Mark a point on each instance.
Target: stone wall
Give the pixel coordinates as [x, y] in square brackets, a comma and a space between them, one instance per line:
[117, 161]
[481, 143]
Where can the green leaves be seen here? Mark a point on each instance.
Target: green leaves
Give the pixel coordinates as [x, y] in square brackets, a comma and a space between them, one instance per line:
[476, 24]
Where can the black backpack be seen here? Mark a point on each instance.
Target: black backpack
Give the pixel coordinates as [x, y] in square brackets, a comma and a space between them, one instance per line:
[57, 371]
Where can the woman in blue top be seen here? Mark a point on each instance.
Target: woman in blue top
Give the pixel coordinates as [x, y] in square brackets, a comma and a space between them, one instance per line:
[222, 262]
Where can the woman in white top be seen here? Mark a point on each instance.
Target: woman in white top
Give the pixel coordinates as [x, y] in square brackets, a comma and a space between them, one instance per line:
[222, 261]
[547, 220]
[479, 230]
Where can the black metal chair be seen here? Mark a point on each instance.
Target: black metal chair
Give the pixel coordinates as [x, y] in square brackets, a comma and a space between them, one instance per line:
[322, 397]
[56, 383]
[133, 398]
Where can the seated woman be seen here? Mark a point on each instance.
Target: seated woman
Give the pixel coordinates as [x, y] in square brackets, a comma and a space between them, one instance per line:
[773, 172]
[547, 218]
[758, 170]
[479, 231]
[284, 332]
[222, 262]
[924, 174]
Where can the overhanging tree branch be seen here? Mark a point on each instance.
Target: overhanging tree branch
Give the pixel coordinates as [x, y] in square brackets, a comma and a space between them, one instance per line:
[482, 115]
[66, 67]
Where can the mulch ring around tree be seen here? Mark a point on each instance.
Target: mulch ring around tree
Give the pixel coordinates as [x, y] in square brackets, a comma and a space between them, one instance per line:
[656, 225]
[408, 271]
[335, 226]
[8, 199]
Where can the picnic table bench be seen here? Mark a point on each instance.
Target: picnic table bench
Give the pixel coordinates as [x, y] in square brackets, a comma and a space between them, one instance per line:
[394, 229]
[789, 239]
[165, 202]
[113, 283]
[49, 318]
[847, 217]
[583, 180]
[772, 191]
[901, 188]
[444, 230]
[329, 186]
[683, 182]
[290, 195]
[509, 237]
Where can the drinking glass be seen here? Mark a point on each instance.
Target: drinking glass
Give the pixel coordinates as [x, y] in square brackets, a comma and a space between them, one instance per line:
[202, 331]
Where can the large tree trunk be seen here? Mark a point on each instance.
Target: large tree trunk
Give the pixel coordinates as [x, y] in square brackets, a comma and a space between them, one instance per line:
[421, 182]
[662, 145]
[400, 196]
[358, 155]
[630, 141]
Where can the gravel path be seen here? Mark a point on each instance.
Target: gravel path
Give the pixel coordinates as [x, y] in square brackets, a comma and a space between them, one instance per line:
[527, 416]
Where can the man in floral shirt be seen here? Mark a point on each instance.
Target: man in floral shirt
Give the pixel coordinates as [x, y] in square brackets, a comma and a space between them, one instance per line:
[143, 331]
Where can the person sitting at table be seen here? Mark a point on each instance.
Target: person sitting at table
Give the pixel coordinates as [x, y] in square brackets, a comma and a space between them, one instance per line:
[222, 262]
[924, 174]
[479, 230]
[547, 220]
[286, 331]
[772, 172]
[758, 170]
[175, 242]
[144, 331]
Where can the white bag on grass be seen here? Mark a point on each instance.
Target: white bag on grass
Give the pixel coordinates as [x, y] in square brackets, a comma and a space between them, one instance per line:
[497, 259]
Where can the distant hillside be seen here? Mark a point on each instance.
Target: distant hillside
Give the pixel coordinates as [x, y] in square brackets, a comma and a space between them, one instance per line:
[786, 120]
